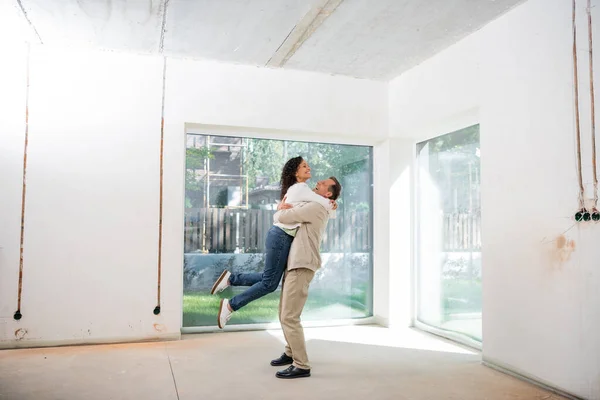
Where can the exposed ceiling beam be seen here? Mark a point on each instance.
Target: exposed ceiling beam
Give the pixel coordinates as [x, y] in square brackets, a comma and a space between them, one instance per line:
[302, 31]
[29, 21]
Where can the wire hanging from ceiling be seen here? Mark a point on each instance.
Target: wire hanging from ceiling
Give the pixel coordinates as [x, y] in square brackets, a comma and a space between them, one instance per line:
[596, 215]
[156, 310]
[577, 124]
[18, 315]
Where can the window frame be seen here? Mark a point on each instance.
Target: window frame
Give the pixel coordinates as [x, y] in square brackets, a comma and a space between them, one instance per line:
[287, 135]
[451, 335]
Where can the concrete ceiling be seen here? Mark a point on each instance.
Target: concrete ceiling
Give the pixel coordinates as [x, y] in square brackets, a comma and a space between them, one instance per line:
[373, 39]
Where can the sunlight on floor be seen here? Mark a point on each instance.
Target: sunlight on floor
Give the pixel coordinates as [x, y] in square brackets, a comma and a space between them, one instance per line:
[379, 336]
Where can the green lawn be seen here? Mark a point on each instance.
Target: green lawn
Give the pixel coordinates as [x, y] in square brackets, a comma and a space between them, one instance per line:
[200, 308]
[461, 296]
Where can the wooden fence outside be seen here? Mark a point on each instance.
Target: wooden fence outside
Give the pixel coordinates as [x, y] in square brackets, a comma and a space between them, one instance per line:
[222, 230]
[462, 232]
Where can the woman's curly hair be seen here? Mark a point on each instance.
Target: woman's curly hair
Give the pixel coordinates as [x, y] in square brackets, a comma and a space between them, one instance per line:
[288, 174]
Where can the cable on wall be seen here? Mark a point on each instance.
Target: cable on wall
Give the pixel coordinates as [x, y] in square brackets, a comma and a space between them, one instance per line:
[17, 316]
[582, 214]
[162, 137]
[160, 207]
[595, 212]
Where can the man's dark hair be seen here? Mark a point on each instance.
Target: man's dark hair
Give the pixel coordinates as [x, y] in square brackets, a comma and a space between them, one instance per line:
[335, 189]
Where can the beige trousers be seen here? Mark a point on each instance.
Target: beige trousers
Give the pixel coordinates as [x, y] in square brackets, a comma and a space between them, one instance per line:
[294, 293]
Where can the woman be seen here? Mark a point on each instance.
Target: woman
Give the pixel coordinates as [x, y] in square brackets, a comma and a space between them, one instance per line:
[294, 175]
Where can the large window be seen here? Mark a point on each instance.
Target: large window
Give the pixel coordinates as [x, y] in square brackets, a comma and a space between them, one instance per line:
[449, 233]
[231, 193]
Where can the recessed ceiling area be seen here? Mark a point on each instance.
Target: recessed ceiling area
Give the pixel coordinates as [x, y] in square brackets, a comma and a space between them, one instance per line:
[360, 38]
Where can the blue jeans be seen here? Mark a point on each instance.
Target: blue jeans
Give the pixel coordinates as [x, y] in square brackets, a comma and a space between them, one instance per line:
[277, 251]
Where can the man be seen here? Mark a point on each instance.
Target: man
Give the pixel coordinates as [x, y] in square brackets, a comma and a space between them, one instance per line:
[304, 260]
[277, 248]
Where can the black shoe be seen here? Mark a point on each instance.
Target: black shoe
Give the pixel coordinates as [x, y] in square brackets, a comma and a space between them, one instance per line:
[292, 372]
[283, 360]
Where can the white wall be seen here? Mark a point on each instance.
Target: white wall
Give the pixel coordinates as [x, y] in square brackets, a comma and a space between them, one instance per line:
[12, 127]
[92, 206]
[393, 241]
[541, 313]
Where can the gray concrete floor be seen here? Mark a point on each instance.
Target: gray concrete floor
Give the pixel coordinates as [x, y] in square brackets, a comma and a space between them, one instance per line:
[360, 362]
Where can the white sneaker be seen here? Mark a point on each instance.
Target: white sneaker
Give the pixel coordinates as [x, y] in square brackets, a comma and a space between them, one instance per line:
[224, 313]
[222, 283]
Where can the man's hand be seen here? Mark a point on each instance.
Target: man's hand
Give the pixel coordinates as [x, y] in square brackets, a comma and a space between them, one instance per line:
[283, 205]
[334, 203]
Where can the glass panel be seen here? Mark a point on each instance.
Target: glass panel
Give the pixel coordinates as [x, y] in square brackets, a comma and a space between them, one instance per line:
[232, 190]
[449, 232]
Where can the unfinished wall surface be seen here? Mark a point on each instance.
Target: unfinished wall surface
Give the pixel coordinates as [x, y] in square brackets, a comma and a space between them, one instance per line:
[541, 306]
[92, 205]
[13, 80]
[93, 166]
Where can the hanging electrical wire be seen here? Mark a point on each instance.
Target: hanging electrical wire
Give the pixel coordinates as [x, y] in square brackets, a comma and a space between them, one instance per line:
[18, 315]
[582, 211]
[595, 213]
[156, 310]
